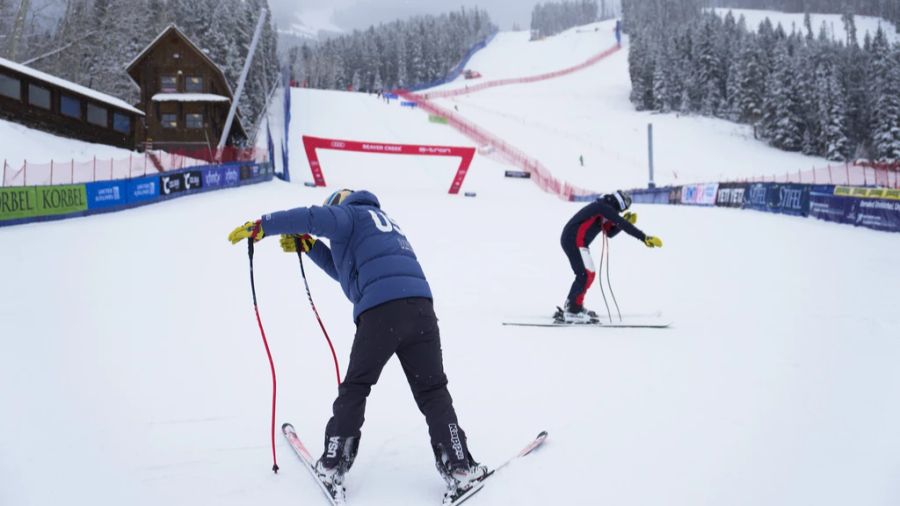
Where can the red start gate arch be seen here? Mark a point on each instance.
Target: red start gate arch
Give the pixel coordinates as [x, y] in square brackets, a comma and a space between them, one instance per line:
[311, 144]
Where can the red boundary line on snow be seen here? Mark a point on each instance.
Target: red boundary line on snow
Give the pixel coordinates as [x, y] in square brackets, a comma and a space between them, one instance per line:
[519, 80]
[311, 144]
[540, 175]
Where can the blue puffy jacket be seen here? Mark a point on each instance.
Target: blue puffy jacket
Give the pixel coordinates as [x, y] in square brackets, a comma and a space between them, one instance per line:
[369, 254]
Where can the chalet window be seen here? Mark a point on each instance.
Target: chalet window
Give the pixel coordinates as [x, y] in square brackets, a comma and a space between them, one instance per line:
[193, 85]
[168, 84]
[70, 106]
[97, 115]
[193, 120]
[121, 123]
[169, 121]
[10, 87]
[38, 96]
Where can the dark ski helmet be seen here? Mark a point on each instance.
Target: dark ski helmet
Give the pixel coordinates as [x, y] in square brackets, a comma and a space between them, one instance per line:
[337, 197]
[620, 200]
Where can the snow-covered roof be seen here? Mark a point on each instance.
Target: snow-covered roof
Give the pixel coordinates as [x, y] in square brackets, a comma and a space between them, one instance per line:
[69, 85]
[189, 97]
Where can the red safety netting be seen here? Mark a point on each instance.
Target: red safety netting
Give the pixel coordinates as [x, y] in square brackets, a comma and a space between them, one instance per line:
[55, 172]
[886, 175]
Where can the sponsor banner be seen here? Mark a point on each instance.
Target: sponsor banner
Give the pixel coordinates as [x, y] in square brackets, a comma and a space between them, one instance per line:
[391, 96]
[867, 193]
[519, 174]
[755, 197]
[434, 118]
[221, 177]
[180, 182]
[105, 194]
[782, 198]
[60, 199]
[29, 204]
[17, 203]
[731, 194]
[142, 189]
[408, 103]
[249, 172]
[312, 144]
[675, 195]
[877, 214]
[699, 194]
[789, 199]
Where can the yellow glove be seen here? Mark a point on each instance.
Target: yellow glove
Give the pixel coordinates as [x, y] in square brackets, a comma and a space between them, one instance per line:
[289, 243]
[630, 217]
[250, 230]
[653, 242]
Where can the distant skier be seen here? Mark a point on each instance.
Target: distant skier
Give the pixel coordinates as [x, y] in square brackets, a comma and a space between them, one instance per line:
[392, 307]
[618, 30]
[602, 215]
[581, 160]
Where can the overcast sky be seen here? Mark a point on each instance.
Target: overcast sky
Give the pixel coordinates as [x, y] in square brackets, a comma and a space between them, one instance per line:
[359, 14]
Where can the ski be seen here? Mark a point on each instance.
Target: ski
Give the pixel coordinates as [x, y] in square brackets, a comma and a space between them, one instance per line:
[530, 447]
[335, 497]
[625, 325]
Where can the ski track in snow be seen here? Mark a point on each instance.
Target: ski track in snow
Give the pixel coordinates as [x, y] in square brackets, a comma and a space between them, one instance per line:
[132, 370]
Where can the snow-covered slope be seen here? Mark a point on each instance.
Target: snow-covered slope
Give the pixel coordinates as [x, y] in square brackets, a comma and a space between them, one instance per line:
[588, 114]
[132, 370]
[833, 24]
[19, 143]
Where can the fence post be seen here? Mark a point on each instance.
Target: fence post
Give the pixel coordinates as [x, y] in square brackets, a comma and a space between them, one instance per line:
[25, 173]
[865, 177]
[51, 172]
[145, 163]
[830, 179]
[3, 183]
[110, 168]
[814, 175]
[95, 169]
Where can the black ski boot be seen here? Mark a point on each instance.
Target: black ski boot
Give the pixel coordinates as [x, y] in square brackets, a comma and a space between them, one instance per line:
[336, 460]
[460, 476]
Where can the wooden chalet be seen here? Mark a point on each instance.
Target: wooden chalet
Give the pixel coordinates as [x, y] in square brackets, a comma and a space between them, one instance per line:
[184, 94]
[45, 102]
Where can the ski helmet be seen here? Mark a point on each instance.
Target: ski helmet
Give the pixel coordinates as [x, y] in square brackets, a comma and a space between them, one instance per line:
[337, 197]
[619, 199]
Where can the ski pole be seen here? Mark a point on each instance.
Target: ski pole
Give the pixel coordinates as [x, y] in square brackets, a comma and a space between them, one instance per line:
[337, 369]
[608, 283]
[600, 277]
[268, 352]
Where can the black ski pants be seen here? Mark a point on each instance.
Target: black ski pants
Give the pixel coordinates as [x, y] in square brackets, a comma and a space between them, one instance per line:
[409, 329]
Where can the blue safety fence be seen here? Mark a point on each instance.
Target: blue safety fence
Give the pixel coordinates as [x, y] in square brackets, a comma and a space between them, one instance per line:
[29, 204]
[875, 208]
[458, 69]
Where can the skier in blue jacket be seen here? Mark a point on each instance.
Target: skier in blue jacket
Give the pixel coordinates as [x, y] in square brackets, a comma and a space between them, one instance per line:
[392, 307]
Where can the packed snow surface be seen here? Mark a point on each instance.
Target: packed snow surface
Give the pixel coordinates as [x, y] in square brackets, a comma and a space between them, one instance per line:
[133, 372]
[19, 143]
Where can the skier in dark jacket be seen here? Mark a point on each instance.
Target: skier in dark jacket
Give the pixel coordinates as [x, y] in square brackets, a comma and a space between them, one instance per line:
[600, 216]
[392, 307]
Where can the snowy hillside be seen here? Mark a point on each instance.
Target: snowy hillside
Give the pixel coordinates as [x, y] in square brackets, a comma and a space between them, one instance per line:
[19, 143]
[834, 25]
[588, 114]
[132, 369]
